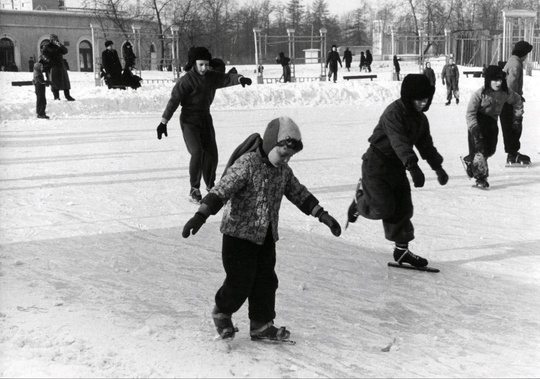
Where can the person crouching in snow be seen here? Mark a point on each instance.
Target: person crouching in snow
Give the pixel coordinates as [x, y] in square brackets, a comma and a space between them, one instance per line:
[484, 108]
[195, 91]
[384, 192]
[252, 188]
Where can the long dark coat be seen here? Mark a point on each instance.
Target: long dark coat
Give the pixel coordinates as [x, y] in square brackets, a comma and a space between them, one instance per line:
[58, 74]
[332, 60]
[347, 57]
[112, 66]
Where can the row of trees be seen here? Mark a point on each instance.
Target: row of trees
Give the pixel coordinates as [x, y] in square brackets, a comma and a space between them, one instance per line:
[226, 27]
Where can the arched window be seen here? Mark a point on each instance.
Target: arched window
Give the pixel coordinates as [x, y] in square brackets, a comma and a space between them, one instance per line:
[85, 56]
[7, 55]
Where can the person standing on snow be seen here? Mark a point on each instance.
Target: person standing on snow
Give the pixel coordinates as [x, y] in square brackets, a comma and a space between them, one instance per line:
[397, 67]
[195, 92]
[284, 62]
[369, 60]
[384, 192]
[450, 77]
[332, 60]
[39, 85]
[363, 65]
[484, 107]
[252, 188]
[428, 71]
[347, 57]
[111, 66]
[54, 51]
[512, 131]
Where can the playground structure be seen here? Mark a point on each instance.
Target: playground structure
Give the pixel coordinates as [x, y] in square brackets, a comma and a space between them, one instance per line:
[289, 43]
[468, 48]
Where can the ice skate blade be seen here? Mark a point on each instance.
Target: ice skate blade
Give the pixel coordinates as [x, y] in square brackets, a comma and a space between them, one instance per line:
[480, 187]
[409, 267]
[275, 342]
[518, 165]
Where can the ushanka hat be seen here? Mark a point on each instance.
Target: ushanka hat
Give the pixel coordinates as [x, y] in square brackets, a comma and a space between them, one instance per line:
[108, 43]
[494, 73]
[416, 87]
[282, 131]
[200, 54]
[522, 48]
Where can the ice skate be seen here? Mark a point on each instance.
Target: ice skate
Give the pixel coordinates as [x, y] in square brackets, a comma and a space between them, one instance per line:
[404, 255]
[481, 183]
[352, 213]
[224, 324]
[467, 166]
[195, 195]
[269, 333]
[517, 160]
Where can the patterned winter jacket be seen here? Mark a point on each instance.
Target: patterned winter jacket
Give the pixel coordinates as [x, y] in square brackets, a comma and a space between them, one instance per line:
[196, 92]
[399, 130]
[491, 103]
[253, 191]
[514, 74]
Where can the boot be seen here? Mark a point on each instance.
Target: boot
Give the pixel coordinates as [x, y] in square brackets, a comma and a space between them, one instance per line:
[68, 96]
[404, 255]
[518, 158]
[267, 331]
[224, 324]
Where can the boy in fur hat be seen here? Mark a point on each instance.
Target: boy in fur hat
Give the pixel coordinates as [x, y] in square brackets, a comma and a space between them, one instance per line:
[383, 191]
[195, 91]
[484, 107]
[252, 189]
[512, 131]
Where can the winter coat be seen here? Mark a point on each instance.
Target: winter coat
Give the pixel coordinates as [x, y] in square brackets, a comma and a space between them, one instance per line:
[112, 66]
[491, 104]
[396, 64]
[450, 72]
[369, 58]
[347, 57]
[129, 56]
[399, 130]
[333, 59]
[38, 77]
[58, 74]
[283, 60]
[362, 60]
[253, 190]
[514, 74]
[428, 71]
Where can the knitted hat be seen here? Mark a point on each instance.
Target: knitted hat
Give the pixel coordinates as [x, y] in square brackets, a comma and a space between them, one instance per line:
[416, 87]
[522, 48]
[108, 43]
[494, 73]
[282, 129]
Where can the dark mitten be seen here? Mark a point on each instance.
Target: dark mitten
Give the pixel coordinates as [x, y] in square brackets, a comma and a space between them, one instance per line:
[331, 222]
[161, 129]
[442, 176]
[517, 123]
[245, 81]
[417, 175]
[193, 225]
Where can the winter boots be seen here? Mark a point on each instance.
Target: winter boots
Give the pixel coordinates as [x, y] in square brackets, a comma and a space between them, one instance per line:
[224, 324]
[404, 255]
[267, 331]
[518, 158]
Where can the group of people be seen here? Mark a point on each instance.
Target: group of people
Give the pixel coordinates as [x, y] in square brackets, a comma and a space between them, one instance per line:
[257, 176]
[51, 69]
[333, 59]
[111, 67]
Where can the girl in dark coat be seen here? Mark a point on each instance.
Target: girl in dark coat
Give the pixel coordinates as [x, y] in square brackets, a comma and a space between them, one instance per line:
[384, 192]
[332, 60]
[58, 75]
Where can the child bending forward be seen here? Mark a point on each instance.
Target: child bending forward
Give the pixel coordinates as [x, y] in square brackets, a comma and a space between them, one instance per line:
[484, 108]
[253, 187]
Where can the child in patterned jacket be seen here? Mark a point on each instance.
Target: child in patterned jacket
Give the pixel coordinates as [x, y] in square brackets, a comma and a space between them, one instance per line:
[253, 187]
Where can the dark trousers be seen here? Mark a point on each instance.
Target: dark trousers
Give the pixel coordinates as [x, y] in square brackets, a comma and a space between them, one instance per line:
[250, 275]
[387, 195]
[200, 138]
[332, 72]
[286, 74]
[452, 87]
[511, 135]
[486, 145]
[41, 99]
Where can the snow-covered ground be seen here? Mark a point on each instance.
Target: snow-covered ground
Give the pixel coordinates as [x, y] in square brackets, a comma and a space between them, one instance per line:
[96, 280]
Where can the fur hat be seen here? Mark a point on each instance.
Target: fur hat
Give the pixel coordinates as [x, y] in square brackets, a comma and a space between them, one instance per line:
[282, 131]
[522, 48]
[416, 87]
[200, 54]
[494, 73]
[108, 43]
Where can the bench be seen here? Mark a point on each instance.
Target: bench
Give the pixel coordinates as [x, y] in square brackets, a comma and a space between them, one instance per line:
[475, 74]
[23, 83]
[371, 77]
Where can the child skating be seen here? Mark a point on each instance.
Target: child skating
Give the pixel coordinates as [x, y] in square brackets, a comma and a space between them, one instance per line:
[384, 192]
[484, 108]
[252, 189]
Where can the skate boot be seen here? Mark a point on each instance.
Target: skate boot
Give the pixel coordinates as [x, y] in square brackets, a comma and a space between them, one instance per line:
[404, 255]
[195, 195]
[224, 324]
[482, 183]
[267, 331]
[468, 167]
[518, 159]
